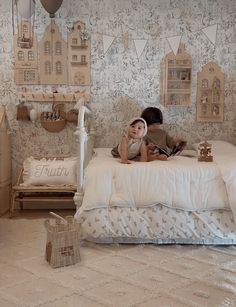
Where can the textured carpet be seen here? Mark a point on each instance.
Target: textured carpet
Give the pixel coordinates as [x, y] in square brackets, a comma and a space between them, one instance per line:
[112, 275]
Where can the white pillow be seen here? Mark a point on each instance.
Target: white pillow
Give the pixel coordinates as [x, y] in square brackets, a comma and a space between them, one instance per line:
[49, 172]
[219, 147]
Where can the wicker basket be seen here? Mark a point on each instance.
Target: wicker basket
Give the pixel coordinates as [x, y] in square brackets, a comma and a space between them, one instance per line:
[72, 115]
[63, 239]
[53, 125]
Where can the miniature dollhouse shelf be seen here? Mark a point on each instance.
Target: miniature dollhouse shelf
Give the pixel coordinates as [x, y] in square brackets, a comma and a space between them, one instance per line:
[176, 78]
[50, 97]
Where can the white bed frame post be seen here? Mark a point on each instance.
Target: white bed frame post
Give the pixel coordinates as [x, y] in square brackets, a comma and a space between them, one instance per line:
[81, 139]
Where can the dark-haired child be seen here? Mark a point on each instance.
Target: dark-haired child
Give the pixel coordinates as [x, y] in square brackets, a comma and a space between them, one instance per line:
[157, 137]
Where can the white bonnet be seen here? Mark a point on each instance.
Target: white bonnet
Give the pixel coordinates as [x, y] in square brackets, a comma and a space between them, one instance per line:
[139, 119]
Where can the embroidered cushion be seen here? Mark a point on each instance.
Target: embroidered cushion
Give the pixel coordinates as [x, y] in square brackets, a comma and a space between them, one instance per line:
[49, 172]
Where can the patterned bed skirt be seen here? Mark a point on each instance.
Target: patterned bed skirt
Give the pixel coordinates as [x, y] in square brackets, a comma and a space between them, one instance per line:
[158, 224]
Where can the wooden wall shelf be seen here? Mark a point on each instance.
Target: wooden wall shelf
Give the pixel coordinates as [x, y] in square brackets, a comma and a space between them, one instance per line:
[176, 78]
[51, 97]
[51, 59]
[210, 94]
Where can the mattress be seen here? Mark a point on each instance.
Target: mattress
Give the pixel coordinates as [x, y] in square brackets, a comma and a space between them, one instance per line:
[176, 201]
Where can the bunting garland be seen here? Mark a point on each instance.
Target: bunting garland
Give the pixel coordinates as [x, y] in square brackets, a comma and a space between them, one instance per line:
[140, 45]
[210, 33]
[107, 42]
[173, 41]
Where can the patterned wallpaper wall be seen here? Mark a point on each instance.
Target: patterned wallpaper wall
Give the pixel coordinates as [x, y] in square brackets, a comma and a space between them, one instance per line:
[123, 84]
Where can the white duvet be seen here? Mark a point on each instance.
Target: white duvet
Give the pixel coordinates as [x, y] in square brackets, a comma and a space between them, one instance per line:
[227, 166]
[181, 182]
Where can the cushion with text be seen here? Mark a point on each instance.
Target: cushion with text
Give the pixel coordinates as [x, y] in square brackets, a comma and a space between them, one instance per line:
[49, 172]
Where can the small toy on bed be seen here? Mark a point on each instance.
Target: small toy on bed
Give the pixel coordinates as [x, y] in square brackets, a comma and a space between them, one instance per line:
[204, 152]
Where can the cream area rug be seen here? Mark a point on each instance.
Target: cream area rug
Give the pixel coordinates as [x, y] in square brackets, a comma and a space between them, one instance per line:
[112, 275]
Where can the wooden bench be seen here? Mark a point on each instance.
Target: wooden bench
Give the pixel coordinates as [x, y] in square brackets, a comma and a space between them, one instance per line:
[21, 193]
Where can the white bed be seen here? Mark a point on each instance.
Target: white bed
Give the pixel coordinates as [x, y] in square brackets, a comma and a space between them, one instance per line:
[177, 201]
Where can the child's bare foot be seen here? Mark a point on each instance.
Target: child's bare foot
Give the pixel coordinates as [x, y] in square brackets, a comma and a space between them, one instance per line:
[125, 162]
[162, 157]
[154, 157]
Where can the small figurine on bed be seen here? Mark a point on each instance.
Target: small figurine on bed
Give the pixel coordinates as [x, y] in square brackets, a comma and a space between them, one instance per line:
[204, 149]
[132, 144]
[160, 145]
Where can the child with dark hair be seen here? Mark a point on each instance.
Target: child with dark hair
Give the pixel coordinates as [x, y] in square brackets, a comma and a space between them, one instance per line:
[132, 143]
[159, 142]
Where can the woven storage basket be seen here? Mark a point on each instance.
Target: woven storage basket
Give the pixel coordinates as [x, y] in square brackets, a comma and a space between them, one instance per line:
[63, 239]
[72, 116]
[53, 125]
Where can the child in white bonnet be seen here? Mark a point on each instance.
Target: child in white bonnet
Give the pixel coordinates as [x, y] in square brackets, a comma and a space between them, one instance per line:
[132, 143]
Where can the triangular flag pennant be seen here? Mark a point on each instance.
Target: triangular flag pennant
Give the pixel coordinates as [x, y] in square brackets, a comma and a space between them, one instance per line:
[107, 41]
[174, 42]
[140, 45]
[210, 33]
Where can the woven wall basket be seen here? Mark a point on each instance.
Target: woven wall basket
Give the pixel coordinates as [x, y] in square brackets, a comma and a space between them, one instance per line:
[72, 116]
[53, 125]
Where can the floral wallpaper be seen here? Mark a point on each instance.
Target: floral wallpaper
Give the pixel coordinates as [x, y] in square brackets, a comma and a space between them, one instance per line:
[122, 84]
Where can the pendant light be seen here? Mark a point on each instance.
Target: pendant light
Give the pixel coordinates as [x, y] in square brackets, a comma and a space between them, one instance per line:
[51, 6]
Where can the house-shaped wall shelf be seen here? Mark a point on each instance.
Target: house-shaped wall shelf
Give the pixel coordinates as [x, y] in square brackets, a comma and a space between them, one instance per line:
[176, 78]
[210, 94]
[78, 55]
[26, 59]
[53, 56]
[52, 60]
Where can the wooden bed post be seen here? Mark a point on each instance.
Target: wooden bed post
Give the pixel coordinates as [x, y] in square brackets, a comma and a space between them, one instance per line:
[82, 139]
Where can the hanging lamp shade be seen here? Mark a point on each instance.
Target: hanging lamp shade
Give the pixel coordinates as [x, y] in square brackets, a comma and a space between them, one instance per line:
[51, 6]
[26, 8]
